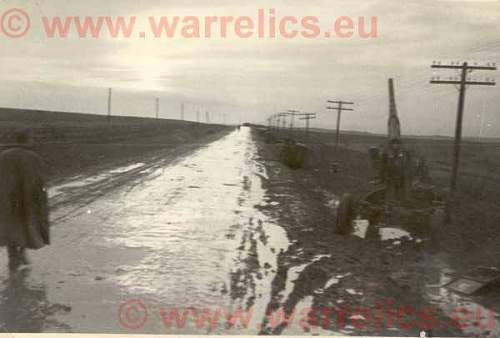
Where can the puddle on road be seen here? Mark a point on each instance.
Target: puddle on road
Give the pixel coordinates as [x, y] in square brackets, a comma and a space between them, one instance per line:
[205, 245]
[294, 273]
[332, 281]
[126, 168]
[80, 182]
[186, 235]
[24, 306]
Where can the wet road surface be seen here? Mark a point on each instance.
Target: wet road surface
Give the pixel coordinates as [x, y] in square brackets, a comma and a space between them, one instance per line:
[133, 243]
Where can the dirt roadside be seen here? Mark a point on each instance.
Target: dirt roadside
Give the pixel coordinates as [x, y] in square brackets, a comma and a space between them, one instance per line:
[358, 286]
[73, 157]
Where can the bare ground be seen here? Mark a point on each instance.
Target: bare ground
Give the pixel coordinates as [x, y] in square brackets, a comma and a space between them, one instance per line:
[371, 274]
[71, 143]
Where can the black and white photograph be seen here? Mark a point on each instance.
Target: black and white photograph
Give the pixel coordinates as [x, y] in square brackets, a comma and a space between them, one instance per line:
[243, 168]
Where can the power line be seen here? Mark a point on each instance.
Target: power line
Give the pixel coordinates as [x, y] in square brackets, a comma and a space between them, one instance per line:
[462, 82]
[307, 117]
[339, 108]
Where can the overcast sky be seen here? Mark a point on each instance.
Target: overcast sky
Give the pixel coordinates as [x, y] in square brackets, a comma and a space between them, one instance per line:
[249, 79]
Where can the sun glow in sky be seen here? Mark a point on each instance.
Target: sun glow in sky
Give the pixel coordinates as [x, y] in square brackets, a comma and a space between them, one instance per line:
[250, 79]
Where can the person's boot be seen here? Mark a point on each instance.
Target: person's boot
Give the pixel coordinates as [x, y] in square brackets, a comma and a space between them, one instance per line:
[13, 266]
[13, 254]
[23, 259]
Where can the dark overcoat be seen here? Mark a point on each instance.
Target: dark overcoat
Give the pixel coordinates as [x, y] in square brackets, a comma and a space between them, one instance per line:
[24, 213]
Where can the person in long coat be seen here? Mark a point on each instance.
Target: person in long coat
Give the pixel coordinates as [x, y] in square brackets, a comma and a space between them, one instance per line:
[24, 213]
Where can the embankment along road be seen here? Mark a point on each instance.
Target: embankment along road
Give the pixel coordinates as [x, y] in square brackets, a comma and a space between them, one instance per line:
[72, 143]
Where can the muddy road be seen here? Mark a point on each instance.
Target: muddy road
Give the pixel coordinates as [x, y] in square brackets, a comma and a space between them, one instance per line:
[133, 245]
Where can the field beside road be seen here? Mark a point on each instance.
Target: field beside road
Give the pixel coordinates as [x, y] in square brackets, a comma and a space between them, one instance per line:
[475, 210]
[473, 233]
[72, 143]
[370, 270]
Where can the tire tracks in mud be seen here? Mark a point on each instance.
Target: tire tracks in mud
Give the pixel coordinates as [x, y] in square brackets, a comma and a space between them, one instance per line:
[83, 195]
[258, 250]
[243, 279]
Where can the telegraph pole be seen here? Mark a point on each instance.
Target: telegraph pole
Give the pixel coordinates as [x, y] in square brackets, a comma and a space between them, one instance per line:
[275, 123]
[283, 115]
[307, 117]
[182, 111]
[282, 119]
[198, 116]
[110, 92]
[463, 82]
[292, 113]
[157, 108]
[207, 117]
[339, 108]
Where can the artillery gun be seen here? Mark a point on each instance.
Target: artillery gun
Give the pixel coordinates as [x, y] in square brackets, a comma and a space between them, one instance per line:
[403, 195]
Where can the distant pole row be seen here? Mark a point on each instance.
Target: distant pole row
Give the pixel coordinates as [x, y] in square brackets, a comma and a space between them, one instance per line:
[222, 117]
[279, 121]
[464, 80]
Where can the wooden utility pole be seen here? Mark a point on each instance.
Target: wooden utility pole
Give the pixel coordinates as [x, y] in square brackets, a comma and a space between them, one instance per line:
[198, 116]
[339, 108]
[157, 108]
[307, 117]
[182, 111]
[282, 120]
[292, 113]
[207, 117]
[283, 115]
[109, 103]
[463, 82]
[274, 122]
